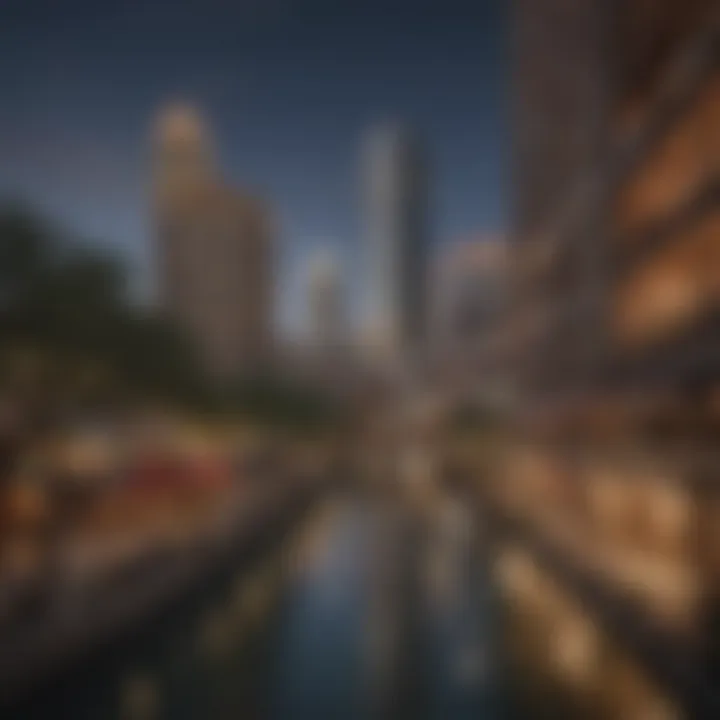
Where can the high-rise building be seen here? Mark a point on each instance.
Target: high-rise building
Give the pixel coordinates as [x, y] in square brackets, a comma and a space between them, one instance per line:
[396, 213]
[326, 306]
[213, 247]
[613, 335]
[615, 109]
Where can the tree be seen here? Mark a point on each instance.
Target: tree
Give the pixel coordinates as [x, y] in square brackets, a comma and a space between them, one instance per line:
[69, 335]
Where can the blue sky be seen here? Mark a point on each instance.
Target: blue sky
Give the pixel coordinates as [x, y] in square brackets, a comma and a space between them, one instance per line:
[289, 88]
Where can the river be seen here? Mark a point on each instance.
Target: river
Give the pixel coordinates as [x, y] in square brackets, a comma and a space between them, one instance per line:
[362, 613]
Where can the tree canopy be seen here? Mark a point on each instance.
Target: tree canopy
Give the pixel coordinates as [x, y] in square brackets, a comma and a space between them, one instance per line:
[70, 337]
[68, 329]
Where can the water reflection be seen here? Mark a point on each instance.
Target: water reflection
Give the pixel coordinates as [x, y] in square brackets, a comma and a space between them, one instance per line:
[376, 613]
[460, 618]
[321, 670]
[357, 627]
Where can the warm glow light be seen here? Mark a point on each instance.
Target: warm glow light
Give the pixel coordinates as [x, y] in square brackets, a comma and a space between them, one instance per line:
[180, 124]
[608, 498]
[575, 648]
[517, 573]
[670, 510]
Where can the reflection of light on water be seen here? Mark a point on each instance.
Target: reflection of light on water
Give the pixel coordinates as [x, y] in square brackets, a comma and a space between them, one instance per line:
[470, 666]
[380, 636]
[576, 649]
[320, 667]
[517, 573]
[448, 562]
[670, 510]
[332, 576]
[379, 641]
[437, 578]
[312, 546]
[608, 496]
[329, 555]
[139, 698]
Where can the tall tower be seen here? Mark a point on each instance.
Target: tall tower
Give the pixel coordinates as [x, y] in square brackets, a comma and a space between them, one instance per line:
[213, 250]
[397, 228]
[182, 177]
[326, 305]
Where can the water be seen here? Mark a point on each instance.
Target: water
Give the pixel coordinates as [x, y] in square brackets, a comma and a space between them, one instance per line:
[322, 670]
[461, 621]
[437, 656]
[354, 624]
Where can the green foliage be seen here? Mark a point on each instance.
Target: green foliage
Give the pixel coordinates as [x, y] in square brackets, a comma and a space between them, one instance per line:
[68, 333]
[25, 253]
[70, 337]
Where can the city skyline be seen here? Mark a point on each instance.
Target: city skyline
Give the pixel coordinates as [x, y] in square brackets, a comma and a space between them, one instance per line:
[289, 90]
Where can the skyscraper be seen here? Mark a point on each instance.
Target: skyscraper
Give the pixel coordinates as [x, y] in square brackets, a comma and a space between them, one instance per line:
[326, 305]
[213, 250]
[397, 236]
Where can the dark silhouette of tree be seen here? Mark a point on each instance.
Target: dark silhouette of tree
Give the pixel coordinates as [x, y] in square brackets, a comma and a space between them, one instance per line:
[71, 339]
[69, 336]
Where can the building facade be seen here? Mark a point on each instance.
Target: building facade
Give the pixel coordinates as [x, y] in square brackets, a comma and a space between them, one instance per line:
[615, 105]
[469, 289]
[610, 475]
[214, 251]
[326, 307]
[397, 227]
